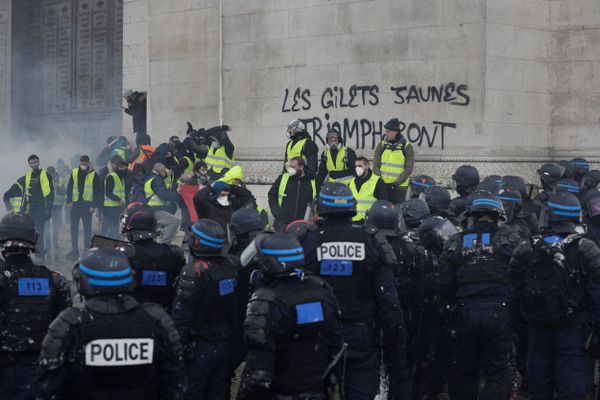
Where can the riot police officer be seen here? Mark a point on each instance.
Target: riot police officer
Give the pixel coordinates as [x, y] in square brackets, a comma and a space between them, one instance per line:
[292, 330]
[477, 266]
[559, 280]
[529, 209]
[345, 257]
[156, 265]
[567, 185]
[113, 347]
[204, 312]
[549, 175]
[412, 213]
[513, 206]
[464, 180]
[32, 295]
[590, 181]
[581, 167]
[437, 199]
[591, 202]
[418, 184]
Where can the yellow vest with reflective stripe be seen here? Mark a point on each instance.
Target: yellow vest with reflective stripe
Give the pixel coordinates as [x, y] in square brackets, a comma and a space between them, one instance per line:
[285, 177]
[294, 151]
[120, 152]
[153, 199]
[169, 182]
[17, 202]
[190, 166]
[217, 159]
[337, 166]
[118, 190]
[88, 186]
[44, 183]
[59, 199]
[365, 197]
[392, 165]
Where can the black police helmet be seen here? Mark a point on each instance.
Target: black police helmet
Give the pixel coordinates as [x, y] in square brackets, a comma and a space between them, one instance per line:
[511, 201]
[206, 237]
[490, 184]
[438, 199]
[246, 220]
[569, 169]
[515, 182]
[413, 211]
[592, 202]
[482, 202]
[567, 185]
[138, 222]
[17, 230]
[591, 180]
[419, 183]
[103, 271]
[563, 207]
[550, 173]
[336, 201]
[434, 232]
[581, 165]
[383, 215]
[280, 252]
[466, 178]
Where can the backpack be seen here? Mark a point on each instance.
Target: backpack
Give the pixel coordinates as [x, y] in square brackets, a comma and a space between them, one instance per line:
[553, 288]
[138, 194]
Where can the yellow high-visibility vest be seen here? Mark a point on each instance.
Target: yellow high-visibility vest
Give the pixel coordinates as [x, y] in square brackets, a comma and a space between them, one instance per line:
[59, 199]
[365, 197]
[44, 183]
[153, 199]
[294, 151]
[285, 177]
[337, 165]
[88, 186]
[392, 165]
[17, 202]
[218, 160]
[119, 190]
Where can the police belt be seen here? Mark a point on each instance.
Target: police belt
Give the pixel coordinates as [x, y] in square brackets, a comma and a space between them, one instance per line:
[10, 358]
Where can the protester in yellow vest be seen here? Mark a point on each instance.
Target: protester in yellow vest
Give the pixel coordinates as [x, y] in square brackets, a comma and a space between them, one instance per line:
[60, 198]
[337, 161]
[291, 193]
[366, 188]
[220, 157]
[301, 145]
[115, 189]
[84, 196]
[394, 160]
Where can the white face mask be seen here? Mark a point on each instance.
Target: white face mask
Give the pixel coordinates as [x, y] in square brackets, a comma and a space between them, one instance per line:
[292, 171]
[83, 167]
[359, 171]
[223, 200]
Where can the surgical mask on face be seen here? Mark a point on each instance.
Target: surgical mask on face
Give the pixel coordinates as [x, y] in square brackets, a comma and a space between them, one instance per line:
[223, 200]
[292, 171]
[83, 167]
[359, 171]
[334, 146]
[35, 166]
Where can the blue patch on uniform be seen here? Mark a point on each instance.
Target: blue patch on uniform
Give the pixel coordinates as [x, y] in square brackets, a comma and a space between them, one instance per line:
[226, 286]
[34, 287]
[553, 239]
[485, 238]
[154, 278]
[470, 238]
[309, 313]
[336, 267]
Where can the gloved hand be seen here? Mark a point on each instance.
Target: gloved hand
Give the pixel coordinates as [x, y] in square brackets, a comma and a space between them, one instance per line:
[256, 385]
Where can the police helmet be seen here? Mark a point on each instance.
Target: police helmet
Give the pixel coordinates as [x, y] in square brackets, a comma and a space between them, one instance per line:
[511, 201]
[567, 185]
[294, 127]
[138, 222]
[419, 183]
[490, 184]
[412, 212]
[466, 178]
[245, 221]
[434, 232]
[592, 202]
[383, 215]
[581, 165]
[336, 201]
[482, 202]
[299, 228]
[515, 182]
[206, 237]
[279, 252]
[550, 173]
[569, 169]
[591, 180]
[437, 199]
[103, 271]
[563, 206]
[17, 230]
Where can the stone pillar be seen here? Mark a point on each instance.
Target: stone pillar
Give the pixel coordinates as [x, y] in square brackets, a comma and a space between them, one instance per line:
[5, 51]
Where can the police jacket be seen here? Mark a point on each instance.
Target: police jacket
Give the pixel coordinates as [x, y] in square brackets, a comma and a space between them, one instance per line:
[477, 263]
[345, 257]
[113, 348]
[156, 269]
[292, 335]
[298, 193]
[31, 296]
[204, 305]
[209, 208]
[309, 151]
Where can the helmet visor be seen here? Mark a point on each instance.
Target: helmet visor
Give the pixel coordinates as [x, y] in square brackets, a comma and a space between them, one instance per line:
[593, 207]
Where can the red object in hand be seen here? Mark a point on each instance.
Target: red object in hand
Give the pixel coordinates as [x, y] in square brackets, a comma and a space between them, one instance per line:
[187, 193]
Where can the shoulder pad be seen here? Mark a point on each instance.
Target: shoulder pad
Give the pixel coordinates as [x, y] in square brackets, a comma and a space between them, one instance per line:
[264, 294]
[168, 333]
[371, 230]
[54, 350]
[128, 249]
[187, 283]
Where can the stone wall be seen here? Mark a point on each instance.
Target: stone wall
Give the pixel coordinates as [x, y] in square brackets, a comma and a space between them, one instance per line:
[5, 27]
[502, 84]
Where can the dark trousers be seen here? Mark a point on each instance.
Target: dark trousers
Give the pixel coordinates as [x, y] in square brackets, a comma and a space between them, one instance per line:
[397, 195]
[557, 363]
[209, 370]
[361, 381]
[18, 382]
[37, 214]
[80, 212]
[110, 221]
[484, 345]
[53, 227]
